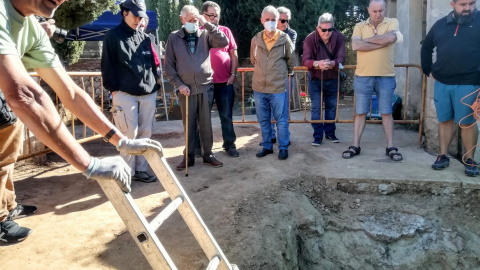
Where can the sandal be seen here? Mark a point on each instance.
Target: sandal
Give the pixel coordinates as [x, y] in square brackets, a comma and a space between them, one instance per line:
[351, 152]
[395, 156]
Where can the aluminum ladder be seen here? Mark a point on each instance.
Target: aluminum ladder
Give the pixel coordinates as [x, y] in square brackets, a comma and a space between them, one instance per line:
[144, 233]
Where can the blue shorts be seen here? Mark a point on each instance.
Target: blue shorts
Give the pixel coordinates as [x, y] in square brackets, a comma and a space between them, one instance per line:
[447, 102]
[364, 87]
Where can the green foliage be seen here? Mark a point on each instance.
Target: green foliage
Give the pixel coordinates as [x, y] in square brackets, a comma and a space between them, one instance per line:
[75, 13]
[167, 16]
[69, 51]
[347, 13]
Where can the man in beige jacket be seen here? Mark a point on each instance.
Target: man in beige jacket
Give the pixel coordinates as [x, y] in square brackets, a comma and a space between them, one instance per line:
[272, 55]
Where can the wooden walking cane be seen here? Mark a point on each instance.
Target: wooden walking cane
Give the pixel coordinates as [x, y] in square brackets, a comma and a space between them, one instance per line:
[186, 136]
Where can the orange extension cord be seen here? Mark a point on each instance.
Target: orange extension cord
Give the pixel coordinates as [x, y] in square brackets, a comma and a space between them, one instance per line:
[476, 114]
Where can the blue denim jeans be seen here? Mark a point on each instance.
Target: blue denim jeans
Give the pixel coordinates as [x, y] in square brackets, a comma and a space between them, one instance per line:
[330, 90]
[292, 85]
[265, 105]
[224, 96]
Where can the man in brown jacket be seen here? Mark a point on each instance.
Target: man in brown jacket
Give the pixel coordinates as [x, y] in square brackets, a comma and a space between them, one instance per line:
[187, 65]
[272, 55]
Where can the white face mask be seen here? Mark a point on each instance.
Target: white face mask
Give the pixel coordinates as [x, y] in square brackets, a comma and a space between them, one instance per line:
[270, 26]
[191, 27]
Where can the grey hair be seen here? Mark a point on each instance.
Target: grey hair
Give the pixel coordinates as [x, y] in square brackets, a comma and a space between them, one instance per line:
[326, 18]
[271, 9]
[286, 11]
[188, 8]
[384, 2]
[208, 4]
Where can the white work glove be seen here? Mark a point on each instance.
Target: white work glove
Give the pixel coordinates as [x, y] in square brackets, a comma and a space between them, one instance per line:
[138, 146]
[110, 168]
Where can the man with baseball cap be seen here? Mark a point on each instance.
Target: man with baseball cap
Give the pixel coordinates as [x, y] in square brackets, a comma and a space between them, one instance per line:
[129, 73]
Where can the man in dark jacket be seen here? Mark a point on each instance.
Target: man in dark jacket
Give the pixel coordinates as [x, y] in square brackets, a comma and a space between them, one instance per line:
[457, 74]
[328, 64]
[187, 65]
[129, 73]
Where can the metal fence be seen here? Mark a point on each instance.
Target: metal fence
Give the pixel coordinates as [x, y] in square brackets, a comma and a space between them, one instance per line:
[91, 82]
[293, 95]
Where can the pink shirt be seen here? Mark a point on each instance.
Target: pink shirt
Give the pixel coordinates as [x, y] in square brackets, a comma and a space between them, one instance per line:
[220, 58]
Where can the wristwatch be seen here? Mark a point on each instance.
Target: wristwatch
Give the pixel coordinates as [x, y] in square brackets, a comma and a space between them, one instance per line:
[109, 135]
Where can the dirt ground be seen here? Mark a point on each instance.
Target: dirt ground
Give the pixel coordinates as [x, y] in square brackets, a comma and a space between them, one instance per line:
[264, 213]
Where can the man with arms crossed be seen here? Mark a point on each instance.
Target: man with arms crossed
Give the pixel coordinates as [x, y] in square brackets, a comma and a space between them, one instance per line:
[374, 40]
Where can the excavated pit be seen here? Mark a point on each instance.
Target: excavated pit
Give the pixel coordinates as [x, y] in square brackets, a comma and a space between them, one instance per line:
[305, 223]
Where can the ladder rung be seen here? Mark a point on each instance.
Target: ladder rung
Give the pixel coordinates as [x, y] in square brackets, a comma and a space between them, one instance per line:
[166, 213]
[213, 265]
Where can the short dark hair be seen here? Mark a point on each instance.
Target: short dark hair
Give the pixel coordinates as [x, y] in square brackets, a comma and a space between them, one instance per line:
[208, 4]
[122, 9]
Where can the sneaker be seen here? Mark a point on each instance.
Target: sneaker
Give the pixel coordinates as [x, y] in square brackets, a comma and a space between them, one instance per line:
[11, 232]
[441, 163]
[21, 211]
[332, 138]
[212, 161]
[317, 142]
[144, 177]
[471, 167]
[232, 152]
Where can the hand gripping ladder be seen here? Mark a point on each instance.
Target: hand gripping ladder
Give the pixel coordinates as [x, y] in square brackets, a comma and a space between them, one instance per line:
[144, 232]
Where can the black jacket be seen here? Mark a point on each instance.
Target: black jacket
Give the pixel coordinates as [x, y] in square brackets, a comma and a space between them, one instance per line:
[458, 51]
[128, 64]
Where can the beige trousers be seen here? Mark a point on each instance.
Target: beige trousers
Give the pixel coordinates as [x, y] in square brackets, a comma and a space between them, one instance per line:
[10, 145]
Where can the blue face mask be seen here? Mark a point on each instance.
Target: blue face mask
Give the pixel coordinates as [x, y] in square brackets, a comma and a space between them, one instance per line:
[191, 27]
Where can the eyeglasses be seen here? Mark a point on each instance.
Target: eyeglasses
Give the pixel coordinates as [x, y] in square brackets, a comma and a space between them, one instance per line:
[325, 30]
[211, 16]
[283, 21]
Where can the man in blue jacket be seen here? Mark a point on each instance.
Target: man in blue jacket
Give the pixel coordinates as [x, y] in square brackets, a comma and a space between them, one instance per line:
[129, 73]
[457, 75]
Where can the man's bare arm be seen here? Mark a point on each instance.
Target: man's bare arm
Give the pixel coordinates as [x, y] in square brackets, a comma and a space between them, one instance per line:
[384, 40]
[234, 65]
[36, 110]
[77, 101]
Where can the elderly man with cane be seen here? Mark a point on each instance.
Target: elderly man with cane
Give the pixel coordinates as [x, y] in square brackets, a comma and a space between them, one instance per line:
[187, 65]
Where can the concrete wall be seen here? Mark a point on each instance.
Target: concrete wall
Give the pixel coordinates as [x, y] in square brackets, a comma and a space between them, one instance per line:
[409, 14]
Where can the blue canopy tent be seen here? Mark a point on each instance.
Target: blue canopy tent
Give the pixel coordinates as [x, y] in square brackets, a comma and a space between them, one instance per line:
[96, 30]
